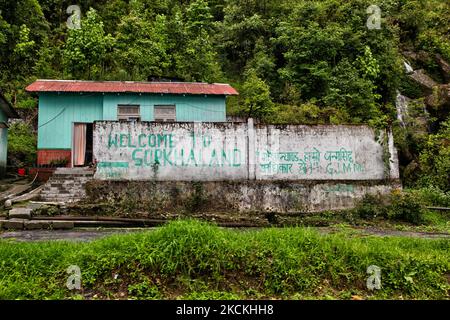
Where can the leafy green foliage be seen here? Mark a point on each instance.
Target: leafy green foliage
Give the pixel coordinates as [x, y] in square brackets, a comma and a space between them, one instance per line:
[21, 145]
[256, 101]
[196, 260]
[85, 50]
[435, 159]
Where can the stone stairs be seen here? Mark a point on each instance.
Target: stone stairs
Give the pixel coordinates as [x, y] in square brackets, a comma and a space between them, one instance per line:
[67, 185]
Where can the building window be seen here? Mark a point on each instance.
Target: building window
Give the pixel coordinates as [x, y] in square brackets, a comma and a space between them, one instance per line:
[129, 112]
[165, 113]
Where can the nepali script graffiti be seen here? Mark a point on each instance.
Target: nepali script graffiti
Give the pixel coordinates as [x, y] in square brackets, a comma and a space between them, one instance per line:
[308, 162]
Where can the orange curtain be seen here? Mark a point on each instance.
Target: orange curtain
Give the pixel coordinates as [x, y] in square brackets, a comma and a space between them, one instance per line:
[79, 144]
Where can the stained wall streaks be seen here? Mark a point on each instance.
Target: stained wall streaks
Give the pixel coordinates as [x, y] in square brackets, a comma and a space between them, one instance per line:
[240, 151]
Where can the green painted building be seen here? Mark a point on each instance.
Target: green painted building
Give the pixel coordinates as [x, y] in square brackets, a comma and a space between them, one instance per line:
[6, 112]
[67, 110]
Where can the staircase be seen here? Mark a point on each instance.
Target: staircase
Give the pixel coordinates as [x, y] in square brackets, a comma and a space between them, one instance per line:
[67, 185]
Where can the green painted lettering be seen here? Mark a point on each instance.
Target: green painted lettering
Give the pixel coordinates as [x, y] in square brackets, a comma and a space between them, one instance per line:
[148, 157]
[137, 161]
[112, 142]
[129, 142]
[192, 158]
[236, 158]
[157, 155]
[347, 167]
[167, 155]
[141, 144]
[152, 141]
[122, 145]
[214, 161]
[162, 140]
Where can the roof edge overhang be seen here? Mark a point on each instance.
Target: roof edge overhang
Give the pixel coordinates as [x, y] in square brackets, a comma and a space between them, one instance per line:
[8, 108]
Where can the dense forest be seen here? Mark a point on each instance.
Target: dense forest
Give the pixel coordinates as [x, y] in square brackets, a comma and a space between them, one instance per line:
[293, 61]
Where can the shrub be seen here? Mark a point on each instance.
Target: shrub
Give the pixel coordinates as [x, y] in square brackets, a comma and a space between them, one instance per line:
[21, 145]
[371, 207]
[406, 207]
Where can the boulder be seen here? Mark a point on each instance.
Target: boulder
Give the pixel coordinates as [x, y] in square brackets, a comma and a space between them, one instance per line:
[424, 80]
[445, 67]
[439, 97]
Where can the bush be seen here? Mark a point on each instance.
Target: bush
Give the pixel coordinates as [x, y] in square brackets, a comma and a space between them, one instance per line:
[400, 206]
[406, 207]
[435, 159]
[21, 145]
[371, 207]
[432, 196]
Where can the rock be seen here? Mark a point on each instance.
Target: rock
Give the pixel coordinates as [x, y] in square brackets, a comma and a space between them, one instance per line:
[16, 224]
[19, 213]
[439, 97]
[36, 224]
[421, 56]
[8, 204]
[445, 67]
[62, 224]
[423, 80]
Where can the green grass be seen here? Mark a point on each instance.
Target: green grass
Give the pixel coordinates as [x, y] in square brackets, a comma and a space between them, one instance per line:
[196, 260]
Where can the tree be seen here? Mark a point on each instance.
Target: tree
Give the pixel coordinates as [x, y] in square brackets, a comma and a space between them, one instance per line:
[85, 50]
[197, 61]
[142, 47]
[255, 96]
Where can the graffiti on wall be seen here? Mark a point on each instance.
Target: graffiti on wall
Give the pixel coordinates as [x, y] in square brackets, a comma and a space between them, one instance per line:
[307, 162]
[205, 151]
[162, 150]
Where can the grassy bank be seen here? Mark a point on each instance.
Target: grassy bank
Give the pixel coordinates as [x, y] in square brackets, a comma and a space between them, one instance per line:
[195, 260]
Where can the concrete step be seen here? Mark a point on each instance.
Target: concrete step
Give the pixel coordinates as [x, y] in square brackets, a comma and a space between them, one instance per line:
[67, 185]
[19, 213]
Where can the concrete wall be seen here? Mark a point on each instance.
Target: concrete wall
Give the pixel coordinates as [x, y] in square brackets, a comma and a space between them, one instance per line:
[241, 151]
[229, 198]
[170, 151]
[318, 153]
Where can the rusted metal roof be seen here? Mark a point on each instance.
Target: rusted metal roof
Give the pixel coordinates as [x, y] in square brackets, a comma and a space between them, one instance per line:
[131, 87]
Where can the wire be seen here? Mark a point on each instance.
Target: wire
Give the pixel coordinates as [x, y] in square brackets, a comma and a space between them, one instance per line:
[52, 118]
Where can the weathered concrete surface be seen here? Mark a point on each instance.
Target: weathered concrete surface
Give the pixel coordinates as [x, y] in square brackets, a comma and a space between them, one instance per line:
[170, 151]
[62, 225]
[20, 213]
[240, 151]
[318, 153]
[82, 235]
[16, 224]
[37, 224]
[233, 196]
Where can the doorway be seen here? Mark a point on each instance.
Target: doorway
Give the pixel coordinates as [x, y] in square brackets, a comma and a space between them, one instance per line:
[82, 144]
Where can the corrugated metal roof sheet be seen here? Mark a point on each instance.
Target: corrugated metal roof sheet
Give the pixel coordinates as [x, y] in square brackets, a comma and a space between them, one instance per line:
[131, 87]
